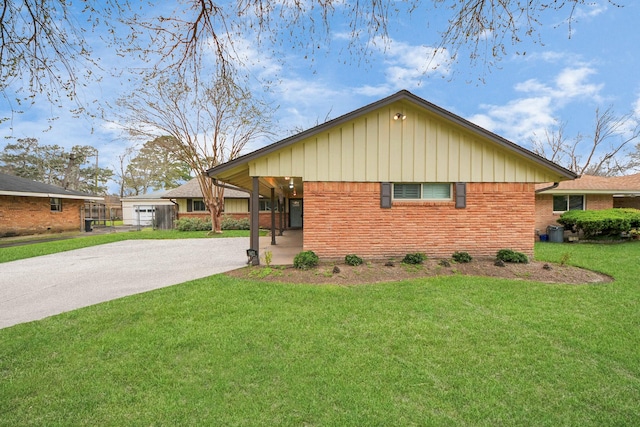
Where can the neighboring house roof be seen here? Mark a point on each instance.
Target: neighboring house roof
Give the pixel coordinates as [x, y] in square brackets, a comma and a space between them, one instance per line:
[16, 186]
[156, 195]
[191, 190]
[373, 121]
[590, 184]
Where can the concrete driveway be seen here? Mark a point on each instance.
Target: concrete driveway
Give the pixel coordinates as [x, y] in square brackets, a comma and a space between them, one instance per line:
[35, 288]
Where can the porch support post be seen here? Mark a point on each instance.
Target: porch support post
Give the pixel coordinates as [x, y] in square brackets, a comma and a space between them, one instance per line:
[280, 212]
[273, 216]
[255, 219]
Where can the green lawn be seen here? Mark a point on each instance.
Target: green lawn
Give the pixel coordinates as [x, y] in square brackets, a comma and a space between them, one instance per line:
[445, 351]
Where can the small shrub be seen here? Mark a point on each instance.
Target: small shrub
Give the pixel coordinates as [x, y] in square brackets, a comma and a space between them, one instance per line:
[564, 258]
[461, 257]
[305, 260]
[353, 260]
[192, 224]
[508, 255]
[415, 258]
[268, 257]
[230, 223]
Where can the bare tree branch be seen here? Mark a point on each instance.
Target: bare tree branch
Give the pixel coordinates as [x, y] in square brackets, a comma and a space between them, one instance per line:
[209, 124]
[603, 153]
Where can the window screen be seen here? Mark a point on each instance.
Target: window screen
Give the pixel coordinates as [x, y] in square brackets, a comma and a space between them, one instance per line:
[436, 191]
[406, 191]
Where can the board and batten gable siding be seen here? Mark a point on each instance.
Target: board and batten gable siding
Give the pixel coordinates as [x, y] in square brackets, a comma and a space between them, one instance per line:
[422, 148]
[236, 206]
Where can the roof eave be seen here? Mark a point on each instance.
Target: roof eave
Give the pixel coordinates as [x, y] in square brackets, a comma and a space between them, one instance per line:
[48, 195]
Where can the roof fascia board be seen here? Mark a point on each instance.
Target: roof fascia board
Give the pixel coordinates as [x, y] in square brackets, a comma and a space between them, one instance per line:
[48, 195]
[572, 191]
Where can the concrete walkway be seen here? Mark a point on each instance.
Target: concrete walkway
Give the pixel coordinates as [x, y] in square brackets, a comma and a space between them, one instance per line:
[35, 288]
[286, 248]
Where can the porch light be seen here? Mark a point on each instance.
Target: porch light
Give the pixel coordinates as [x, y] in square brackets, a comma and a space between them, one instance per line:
[291, 183]
[399, 116]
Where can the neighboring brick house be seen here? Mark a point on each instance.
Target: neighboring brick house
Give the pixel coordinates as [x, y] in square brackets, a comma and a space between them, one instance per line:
[189, 201]
[587, 192]
[29, 207]
[397, 176]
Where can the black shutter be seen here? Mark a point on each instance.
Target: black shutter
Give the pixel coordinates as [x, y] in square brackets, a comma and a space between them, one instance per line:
[461, 195]
[385, 195]
[189, 205]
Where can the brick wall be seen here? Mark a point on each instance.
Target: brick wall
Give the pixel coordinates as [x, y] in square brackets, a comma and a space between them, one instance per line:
[546, 217]
[343, 218]
[33, 215]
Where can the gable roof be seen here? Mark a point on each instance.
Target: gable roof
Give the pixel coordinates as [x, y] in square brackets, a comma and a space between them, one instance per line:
[590, 184]
[16, 186]
[191, 190]
[232, 170]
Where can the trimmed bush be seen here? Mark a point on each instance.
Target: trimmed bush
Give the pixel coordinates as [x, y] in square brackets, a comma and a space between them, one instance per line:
[305, 260]
[192, 224]
[507, 255]
[461, 257]
[230, 223]
[607, 222]
[415, 258]
[353, 260]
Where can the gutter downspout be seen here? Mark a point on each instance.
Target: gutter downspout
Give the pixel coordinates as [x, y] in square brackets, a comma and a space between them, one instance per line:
[551, 187]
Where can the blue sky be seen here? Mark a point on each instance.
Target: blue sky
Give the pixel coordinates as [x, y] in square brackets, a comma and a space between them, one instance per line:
[563, 77]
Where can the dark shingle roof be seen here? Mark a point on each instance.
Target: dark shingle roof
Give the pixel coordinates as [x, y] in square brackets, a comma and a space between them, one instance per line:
[15, 186]
[191, 189]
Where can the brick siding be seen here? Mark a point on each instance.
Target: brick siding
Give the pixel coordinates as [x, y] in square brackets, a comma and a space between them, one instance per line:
[343, 217]
[32, 215]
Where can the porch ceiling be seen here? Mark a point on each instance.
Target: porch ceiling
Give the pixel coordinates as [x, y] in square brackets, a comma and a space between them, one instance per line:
[282, 184]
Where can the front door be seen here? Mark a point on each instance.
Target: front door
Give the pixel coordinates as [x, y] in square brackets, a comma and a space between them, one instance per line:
[295, 213]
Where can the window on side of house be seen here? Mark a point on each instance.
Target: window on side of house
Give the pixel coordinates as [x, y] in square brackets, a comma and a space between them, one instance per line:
[199, 206]
[568, 203]
[56, 204]
[265, 205]
[424, 191]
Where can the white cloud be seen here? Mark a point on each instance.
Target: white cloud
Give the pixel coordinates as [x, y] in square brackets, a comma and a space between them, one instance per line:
[590, 10]
[572, 83]
[524, 117]
[407, 66]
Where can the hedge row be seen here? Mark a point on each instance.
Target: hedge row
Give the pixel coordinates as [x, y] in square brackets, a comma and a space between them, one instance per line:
[199, 224]
[608, 222]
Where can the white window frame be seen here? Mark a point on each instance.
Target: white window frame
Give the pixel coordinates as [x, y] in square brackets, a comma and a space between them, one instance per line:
[422, 191]
[568, 202]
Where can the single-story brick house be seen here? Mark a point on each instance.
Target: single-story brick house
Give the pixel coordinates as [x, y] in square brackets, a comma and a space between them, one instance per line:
[399, 175]
[30, 207]
[587, 192]
[189, 201]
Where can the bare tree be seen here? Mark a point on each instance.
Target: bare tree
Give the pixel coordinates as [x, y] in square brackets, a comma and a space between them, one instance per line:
[50, 43]
[208, 124]
[602, 153]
